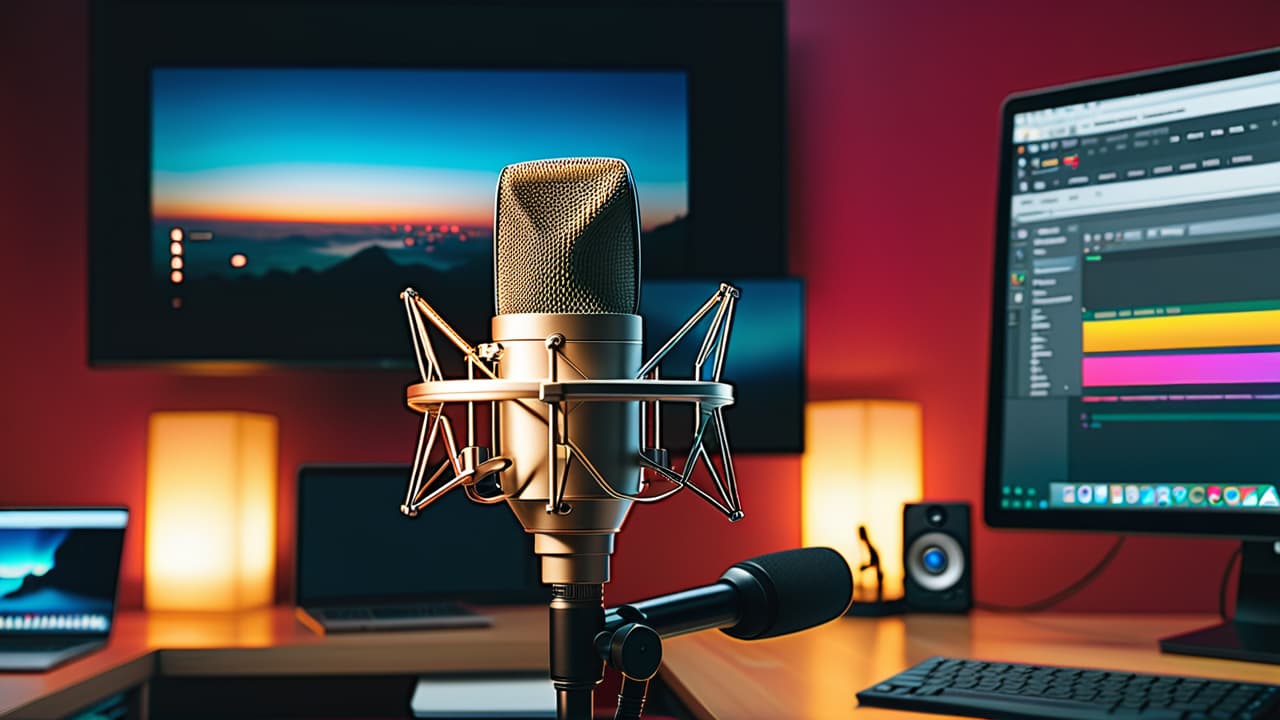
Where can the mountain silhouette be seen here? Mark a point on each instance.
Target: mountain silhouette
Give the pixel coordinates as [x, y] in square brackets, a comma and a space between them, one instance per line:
[351, 310]
[372, 261]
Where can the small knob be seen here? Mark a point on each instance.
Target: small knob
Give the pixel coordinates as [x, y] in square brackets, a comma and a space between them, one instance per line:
[636, 650]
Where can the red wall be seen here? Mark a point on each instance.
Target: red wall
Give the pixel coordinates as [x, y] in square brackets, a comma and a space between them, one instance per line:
[882, 96]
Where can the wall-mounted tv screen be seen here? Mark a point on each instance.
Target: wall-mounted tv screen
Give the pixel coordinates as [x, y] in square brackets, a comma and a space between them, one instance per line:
[265, 177]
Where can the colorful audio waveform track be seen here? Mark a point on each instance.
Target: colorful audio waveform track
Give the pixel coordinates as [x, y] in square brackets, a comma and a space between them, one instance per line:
[1187, 369]
[1173, 332]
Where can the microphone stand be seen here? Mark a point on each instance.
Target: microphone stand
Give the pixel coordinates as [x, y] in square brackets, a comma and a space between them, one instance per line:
[580, 646]
[577, 617]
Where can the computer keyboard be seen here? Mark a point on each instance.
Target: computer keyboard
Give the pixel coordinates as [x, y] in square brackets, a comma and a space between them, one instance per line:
[1011, 691]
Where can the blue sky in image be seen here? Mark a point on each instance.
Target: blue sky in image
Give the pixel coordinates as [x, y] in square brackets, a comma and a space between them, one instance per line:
[377, 145]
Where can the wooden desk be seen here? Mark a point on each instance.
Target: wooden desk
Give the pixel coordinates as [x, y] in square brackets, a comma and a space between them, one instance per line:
[268, 642]
[811, 675]
[814, 675]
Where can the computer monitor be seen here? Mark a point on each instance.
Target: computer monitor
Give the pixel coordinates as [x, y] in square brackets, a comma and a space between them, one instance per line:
[1135, 366]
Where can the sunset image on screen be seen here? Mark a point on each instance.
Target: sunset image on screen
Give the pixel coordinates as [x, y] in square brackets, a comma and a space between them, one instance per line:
[282, 172]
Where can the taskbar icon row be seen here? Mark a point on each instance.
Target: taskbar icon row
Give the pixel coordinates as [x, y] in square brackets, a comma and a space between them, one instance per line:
[1182, 495]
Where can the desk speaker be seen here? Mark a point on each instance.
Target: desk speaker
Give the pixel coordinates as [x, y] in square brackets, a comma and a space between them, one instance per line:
[937, 557]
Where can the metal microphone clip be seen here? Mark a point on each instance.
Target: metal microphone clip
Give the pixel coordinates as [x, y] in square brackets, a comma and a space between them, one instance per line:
[473, 463]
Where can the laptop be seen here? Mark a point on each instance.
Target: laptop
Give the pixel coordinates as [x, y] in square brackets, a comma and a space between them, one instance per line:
[59, 569]
[362, 565]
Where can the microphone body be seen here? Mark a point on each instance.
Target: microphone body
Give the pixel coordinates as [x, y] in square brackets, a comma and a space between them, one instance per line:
[576, 539]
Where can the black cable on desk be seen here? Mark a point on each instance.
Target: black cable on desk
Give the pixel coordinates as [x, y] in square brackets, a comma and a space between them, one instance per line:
[1226, 578]
[1069, 591]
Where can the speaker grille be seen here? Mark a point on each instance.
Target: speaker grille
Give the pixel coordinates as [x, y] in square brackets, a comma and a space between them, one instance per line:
[567, 238]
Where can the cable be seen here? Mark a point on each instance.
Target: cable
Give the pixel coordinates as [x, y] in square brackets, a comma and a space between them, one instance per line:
[1069, 591]
[1226, 578]
[872, 563]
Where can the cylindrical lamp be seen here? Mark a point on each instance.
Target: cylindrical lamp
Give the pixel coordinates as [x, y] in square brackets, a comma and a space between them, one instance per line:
[211, 510]
[863, 461]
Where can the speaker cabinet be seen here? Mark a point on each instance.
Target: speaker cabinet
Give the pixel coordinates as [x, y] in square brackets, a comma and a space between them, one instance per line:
[937, 558]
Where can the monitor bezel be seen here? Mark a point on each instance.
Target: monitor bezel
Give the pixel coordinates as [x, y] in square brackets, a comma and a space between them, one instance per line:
[1234, 524]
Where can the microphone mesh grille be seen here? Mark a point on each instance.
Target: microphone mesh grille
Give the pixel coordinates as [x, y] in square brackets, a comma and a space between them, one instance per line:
[567, 238]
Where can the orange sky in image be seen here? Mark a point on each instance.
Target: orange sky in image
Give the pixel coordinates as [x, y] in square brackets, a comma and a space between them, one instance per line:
[346, 213]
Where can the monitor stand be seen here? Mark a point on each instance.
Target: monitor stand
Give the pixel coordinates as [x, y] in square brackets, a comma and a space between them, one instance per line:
[1254, 634]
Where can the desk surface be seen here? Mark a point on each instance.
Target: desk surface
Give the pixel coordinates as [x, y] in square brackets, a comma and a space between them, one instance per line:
[268, 642]
[808, 675]
[815, 674]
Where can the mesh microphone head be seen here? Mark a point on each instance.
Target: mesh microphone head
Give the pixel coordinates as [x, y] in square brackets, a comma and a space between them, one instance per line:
[567, 238]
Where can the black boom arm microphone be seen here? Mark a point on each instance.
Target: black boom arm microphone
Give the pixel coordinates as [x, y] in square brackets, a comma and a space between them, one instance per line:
[767, 596]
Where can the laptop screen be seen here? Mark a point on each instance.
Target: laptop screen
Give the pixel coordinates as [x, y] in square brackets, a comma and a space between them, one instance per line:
[59, 569]
[355, 547]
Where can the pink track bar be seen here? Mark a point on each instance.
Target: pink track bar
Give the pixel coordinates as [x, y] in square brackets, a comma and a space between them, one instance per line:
[1192, 369]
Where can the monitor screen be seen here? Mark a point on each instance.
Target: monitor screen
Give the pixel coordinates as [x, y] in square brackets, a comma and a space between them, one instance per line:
[279, 195]
[765, 361]
[1136, 370]
[354, 545]
[59, 569]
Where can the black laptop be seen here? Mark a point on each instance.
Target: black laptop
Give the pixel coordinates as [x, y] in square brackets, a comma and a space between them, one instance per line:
[362, 565]
[59, 569]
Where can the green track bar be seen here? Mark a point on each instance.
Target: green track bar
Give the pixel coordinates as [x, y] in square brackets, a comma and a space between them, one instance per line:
[1166, 310]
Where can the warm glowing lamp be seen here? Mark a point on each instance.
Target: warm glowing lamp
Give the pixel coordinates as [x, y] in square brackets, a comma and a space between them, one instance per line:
[211, 510]
[863, 460]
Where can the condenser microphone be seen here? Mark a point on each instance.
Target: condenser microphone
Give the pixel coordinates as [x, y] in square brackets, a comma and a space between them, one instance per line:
[575, 409]
[567, 271]
[767, 596]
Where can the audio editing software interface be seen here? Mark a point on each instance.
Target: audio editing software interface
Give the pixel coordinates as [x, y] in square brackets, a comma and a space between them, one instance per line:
[1143, 330]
